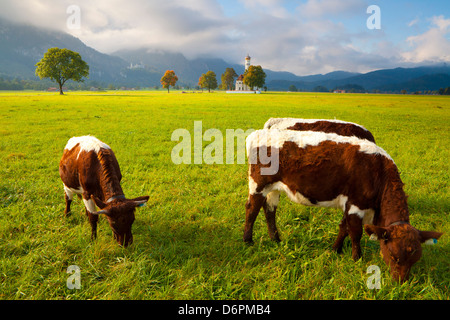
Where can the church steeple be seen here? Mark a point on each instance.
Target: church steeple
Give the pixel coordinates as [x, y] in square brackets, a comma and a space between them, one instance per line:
[247, 61]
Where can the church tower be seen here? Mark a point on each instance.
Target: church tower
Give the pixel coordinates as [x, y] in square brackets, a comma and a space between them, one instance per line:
[247, 61]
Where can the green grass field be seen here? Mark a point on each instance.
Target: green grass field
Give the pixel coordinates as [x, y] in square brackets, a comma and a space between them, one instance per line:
[188, 239]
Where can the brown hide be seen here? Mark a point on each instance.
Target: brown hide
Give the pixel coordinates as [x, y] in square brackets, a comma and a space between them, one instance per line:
[343, 129]
[98, 176]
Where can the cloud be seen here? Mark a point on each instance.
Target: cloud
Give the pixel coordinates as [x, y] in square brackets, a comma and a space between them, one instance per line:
[432, 45]
[326, 8]
[313, 36]
[413, 22]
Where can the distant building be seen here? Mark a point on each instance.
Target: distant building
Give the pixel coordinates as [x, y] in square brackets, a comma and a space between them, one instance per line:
[136, 66]
[241, 87]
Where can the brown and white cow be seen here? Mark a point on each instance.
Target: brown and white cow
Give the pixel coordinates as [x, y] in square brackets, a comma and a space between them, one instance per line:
[89, 168]
[339, 127]
[329, 170]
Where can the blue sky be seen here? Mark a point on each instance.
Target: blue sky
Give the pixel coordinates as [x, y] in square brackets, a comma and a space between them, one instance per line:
[304, 37]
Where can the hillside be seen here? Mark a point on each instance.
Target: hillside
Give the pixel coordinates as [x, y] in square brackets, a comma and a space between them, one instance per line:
[387, 80]
[22, 46]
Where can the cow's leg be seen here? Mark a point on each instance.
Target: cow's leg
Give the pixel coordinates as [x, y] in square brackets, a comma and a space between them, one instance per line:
[90, 210]
[93, 218]
[252, 207]
[337, 246]
[354, 226]
[68, 196]
[270, 208]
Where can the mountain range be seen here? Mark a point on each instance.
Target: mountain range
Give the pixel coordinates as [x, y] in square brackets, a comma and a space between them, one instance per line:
[22, 46]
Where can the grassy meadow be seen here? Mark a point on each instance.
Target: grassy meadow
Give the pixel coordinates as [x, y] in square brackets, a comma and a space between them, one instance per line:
[188, 239]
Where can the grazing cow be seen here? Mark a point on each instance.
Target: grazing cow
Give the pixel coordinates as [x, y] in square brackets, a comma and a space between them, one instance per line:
[89, 168]
[328, 126]
[329, 170]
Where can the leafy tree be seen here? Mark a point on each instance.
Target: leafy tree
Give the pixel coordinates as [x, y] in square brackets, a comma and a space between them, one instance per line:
[61, 65]
[254, 76]
[208, 80]
[292, 88]
[228, 79]
[320, 89]
[444, 91]
[169, 79]
[200, 82]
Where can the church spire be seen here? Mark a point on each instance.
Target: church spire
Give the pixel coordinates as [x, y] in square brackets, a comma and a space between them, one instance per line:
[247, 61]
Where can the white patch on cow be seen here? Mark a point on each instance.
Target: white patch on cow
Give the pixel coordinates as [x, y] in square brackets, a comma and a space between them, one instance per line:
[365, 215]
[90, 205]
[283, 123]
[276, 138]
[339, 202]
[272, 200]
[87, 143]
[70, 191]
[355, 210]
[252, 185]
[280, 186]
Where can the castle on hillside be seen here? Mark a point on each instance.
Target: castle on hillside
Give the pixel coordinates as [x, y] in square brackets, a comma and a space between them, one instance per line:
[240, 85]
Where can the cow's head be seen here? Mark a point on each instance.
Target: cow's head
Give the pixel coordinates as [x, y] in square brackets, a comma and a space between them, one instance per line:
[120, 214]
[400, 246]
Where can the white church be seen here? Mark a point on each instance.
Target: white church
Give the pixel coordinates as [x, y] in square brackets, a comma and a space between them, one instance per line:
[241, 87]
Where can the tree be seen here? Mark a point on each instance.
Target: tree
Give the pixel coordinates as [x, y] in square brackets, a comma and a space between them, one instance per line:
[228, 79]
[320, 89]
[254, 76]
[169, 79]
[208, 80]
[200, 82]
[61, 65]
[293, 88]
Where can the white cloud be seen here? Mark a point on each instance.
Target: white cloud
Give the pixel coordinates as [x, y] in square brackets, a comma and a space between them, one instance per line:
[442, 23]
[321, 8]
[432, 45]
[413, 22]
[316, 36]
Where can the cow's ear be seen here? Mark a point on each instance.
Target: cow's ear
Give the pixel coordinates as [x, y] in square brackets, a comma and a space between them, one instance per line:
[105, 212]
[429, 235]
[140, 201]
[377, 233]
[98, 202]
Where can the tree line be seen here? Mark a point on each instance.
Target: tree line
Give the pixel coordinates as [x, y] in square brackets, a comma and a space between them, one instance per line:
[254, 77]
[62, 65]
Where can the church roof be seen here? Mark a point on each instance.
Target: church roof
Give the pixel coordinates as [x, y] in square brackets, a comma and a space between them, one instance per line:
[240, 78]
